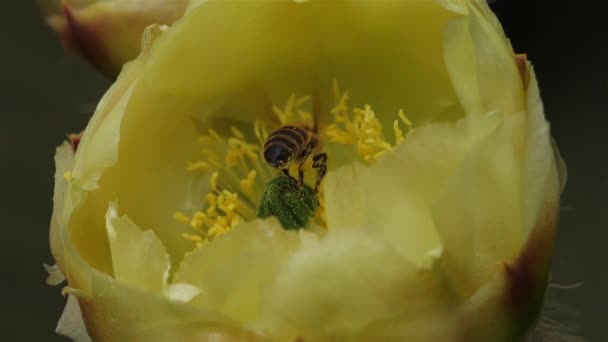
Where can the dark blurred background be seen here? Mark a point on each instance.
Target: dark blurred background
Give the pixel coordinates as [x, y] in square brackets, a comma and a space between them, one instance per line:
[46, 93]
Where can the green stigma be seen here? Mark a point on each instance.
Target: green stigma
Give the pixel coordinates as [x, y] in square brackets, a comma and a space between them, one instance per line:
[292, 205]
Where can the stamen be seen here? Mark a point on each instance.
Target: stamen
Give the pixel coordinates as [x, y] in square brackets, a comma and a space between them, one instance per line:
[247, 183]
[237, 133]
[287, 115]
[198, 166]
[213, 181]
[238, 176]
[361, 128]
[181, 217]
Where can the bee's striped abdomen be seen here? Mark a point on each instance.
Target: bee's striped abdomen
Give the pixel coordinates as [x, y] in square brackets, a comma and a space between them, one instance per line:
[286, 144]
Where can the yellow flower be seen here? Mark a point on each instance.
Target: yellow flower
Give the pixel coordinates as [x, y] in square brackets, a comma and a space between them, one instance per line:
[107, 33]
[436, 218]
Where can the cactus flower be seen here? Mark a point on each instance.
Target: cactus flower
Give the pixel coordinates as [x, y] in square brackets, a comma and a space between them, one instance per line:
[107, 33]
[435, 221]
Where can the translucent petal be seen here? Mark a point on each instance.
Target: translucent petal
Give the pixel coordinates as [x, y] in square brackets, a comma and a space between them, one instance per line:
[542, 160]
[372, 53]
[150, 198]
[479, 214]
[117, 312]
[138, 257]
[394, 196]
[339, 286]
[64, 157]
[55, 277]
[234, 271]
[481, 63]
[71, 323]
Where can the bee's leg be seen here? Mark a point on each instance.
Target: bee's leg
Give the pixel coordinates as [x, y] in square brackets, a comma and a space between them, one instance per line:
[301, 175]
[303, 157]
[286, 173]
[319, 162]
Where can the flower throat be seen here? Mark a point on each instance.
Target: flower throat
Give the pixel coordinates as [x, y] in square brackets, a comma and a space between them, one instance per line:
[243, 185]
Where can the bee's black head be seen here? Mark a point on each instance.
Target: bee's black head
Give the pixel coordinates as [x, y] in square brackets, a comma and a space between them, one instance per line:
[276, 155]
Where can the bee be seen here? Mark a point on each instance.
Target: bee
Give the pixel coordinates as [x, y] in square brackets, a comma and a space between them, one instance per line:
[294, 144]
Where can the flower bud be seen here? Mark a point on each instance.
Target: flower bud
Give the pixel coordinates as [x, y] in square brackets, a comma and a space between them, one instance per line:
[107, 33]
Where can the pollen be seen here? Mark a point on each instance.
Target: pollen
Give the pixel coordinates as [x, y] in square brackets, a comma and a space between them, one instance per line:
[361, 128]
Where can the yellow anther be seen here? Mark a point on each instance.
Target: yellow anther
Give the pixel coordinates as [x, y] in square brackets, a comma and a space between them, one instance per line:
[235, 220]
[215, 136]
[206, 139]
[181, 217]
[198, 219]
[192, 237]
[237, 133]
[360, 127]
[248, 183]
[213, 159]
[198, 166]
[405, 120]
[300, 101]
[398, 133]
[217, 230]
[287, 114]
[260, 131]
[213, 181]
[306, 117]
[67, 176]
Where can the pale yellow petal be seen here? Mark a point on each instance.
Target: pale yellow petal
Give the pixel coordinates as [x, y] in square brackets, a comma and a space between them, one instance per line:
[479, 214]
[481, 63]
[71, 323]
[181, 292]
[542, 160]
[233, 272]
[117, 312]
[55, 277]
[149, 185]
[64, 157]
[394, 196]
[139, 258]
[395, 48]
[342, 285]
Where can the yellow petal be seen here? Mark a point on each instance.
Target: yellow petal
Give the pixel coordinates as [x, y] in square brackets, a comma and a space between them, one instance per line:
[63, 163]
[481, 64]
[353, 284]
[117, 312]
[388, 54]
[394, 195]
[138, 257]
[125, 179]
[479, 214]
[234, 271]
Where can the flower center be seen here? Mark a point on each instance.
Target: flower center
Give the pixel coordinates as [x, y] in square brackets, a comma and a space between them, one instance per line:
[240, 177]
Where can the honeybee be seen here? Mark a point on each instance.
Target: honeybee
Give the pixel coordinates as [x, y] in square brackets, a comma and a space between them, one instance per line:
[294, 144]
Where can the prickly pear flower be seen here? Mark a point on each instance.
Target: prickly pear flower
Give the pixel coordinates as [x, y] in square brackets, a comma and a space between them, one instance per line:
[435, 221]
[107, 33]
